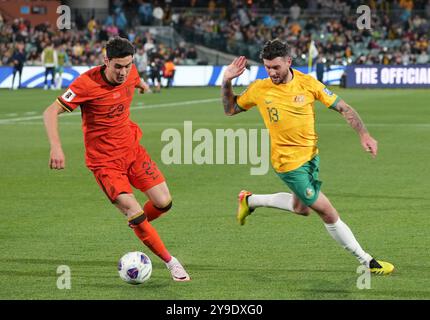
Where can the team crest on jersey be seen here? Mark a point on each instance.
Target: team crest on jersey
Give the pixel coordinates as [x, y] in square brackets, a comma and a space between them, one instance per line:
[309, 193]
[328, 92]
[299, 99]
[68, 95]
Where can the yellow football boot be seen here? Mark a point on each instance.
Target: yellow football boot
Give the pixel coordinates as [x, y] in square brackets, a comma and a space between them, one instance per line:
[243, 210]
[380, 267]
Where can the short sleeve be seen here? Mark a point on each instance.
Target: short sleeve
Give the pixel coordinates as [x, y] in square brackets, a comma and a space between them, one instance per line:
[75, 95]
[323, 94]
[246, 100]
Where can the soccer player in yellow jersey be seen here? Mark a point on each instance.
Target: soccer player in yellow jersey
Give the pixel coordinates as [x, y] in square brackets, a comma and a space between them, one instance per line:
[286, 103]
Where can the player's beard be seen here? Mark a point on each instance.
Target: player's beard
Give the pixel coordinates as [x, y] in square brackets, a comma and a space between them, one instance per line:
[282, 78]
[276, 80]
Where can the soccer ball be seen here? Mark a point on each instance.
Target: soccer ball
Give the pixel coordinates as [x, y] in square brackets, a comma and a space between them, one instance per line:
[135, 267]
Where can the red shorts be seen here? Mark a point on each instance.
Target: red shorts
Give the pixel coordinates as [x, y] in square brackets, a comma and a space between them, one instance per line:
[137, 170]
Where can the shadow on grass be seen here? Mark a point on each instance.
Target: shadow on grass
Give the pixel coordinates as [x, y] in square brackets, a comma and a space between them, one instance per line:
[259, 271]
[58, 262]
[376, 196]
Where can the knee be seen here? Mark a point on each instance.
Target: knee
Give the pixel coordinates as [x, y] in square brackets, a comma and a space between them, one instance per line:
[301, 209]
[164, 202]
[127, 204]
[306, 211]
[163, 205]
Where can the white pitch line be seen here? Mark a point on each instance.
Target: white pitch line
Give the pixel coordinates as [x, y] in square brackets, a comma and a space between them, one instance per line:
[139, 107]
[244, 125]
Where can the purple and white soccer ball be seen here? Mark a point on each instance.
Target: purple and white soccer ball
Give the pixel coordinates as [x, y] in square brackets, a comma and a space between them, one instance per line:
[135, 267]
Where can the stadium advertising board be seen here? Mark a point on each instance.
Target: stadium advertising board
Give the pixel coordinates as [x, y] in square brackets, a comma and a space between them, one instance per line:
[382, 76]
[34, 76]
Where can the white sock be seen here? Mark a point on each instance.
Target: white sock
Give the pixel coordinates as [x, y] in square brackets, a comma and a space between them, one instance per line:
[171, 262]
[344, 236]
[281, 200]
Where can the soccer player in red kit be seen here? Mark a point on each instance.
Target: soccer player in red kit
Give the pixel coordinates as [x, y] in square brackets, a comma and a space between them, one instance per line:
[113, 152]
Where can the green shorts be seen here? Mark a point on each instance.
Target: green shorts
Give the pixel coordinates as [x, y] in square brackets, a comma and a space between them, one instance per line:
[303, 181]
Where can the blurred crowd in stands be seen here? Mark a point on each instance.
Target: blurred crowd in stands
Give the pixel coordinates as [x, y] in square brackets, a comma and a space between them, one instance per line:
[399, 31]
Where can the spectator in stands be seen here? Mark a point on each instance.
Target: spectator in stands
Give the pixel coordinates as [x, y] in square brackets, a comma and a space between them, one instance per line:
[120, 19]
[407, 6]
[92, 27]
[33, 58]
[145, 13]
[423, 57]
[427, 9]
[141, 62]
[158, 15]
[149, 45]
[295, 11]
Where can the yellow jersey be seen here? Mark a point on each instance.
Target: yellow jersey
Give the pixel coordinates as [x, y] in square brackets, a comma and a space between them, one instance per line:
[289, 115]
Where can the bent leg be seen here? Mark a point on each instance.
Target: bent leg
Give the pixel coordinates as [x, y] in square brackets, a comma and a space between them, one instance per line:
[127, 204]
[281, 200]
[159, 201]
[145, 176]
[159, 195]
[299, 207]
[325, 209]
[339, 231]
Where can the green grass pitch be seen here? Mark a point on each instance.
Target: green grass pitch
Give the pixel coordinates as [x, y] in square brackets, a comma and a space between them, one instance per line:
[53, 218]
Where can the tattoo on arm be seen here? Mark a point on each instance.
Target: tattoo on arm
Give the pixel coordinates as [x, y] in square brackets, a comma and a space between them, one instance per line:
[229, 99]
[351, 116]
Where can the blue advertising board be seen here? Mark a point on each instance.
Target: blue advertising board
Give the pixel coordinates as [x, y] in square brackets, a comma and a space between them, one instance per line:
[34, 76]
[385, 76]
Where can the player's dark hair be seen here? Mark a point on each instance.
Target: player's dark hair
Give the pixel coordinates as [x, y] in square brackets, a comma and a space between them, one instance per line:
[275, 48]
[119, 48]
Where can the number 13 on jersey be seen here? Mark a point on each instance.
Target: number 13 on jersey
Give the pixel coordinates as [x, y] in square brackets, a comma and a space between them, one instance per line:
[273, 114]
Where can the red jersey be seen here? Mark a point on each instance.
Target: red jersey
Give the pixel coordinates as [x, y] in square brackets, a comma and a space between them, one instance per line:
[109, 133]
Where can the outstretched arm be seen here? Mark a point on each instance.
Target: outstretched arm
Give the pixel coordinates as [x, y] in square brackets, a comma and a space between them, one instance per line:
[352, 117]
[57, 159]
[235, 69]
